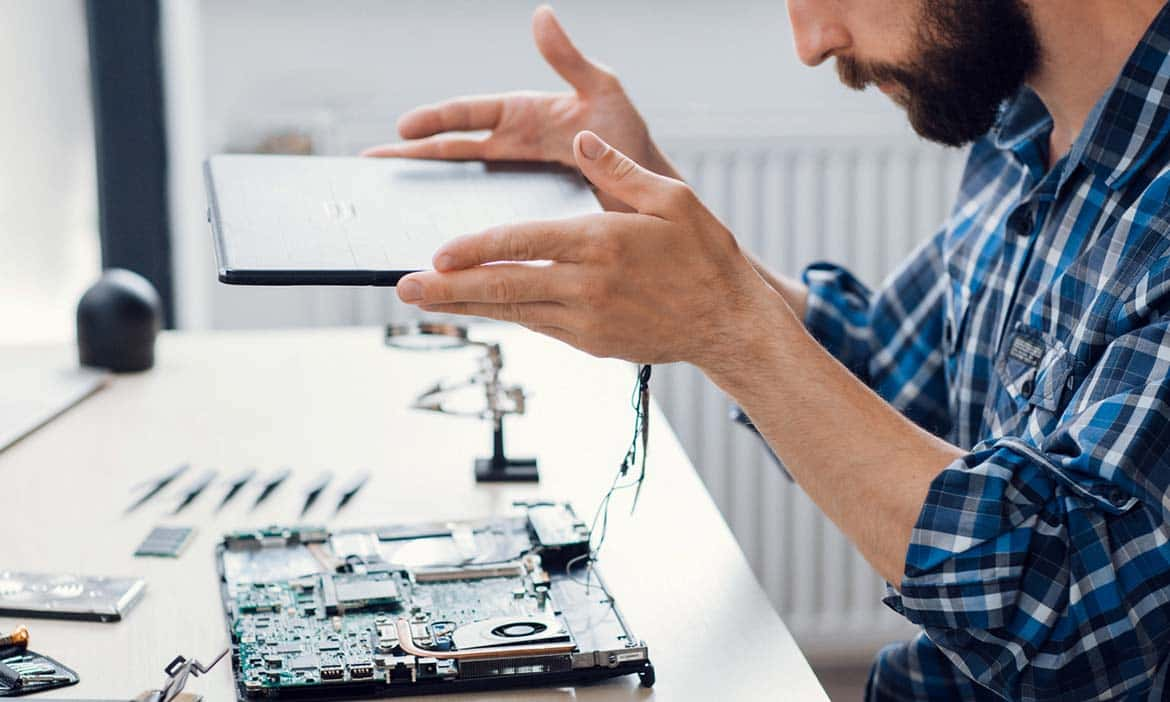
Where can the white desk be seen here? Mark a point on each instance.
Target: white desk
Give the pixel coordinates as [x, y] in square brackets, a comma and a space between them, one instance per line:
[338, 399]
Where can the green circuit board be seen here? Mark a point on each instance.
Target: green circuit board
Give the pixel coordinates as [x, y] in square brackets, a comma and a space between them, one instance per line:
[314, 613]
[341, 628]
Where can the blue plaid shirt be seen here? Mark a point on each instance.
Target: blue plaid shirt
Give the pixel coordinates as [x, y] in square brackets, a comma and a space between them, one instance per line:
[1034, 331]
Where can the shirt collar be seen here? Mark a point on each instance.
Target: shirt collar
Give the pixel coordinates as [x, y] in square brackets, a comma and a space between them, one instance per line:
[1128, 123]
[1021, 120]
[1131, 121]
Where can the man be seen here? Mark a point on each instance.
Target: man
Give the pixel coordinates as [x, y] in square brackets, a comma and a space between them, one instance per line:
[991, 428]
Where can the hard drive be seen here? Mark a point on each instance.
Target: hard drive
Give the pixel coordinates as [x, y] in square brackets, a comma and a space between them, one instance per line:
[67, 596]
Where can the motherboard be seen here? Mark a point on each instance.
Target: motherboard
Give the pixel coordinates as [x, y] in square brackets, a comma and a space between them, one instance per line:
[409, 609]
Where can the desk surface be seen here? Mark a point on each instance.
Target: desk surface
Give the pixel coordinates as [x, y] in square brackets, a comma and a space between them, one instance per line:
[337, 399]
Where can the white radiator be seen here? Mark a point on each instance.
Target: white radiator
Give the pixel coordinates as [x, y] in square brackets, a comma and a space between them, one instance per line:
[861, 202]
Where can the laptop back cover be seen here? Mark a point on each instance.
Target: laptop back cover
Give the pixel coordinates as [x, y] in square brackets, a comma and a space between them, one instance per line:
[313, 220]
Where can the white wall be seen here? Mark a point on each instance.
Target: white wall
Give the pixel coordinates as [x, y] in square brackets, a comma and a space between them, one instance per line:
[710, 68]
[347, 69]
[48, 196]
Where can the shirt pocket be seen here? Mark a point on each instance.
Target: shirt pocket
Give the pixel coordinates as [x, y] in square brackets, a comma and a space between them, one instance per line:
[1037, 373]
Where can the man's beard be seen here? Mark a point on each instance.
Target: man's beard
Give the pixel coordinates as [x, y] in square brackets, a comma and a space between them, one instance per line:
[974, 55]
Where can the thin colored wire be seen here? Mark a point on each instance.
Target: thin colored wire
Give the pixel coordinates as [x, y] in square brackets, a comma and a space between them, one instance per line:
[599, 528]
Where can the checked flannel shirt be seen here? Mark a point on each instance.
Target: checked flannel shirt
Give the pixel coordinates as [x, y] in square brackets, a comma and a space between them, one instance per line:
[1034, 331]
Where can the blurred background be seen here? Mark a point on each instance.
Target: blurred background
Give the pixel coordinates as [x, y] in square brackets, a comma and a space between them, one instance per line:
[111, 106]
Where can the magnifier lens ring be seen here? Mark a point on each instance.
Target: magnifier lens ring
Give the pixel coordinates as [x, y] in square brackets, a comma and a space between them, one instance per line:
[425, 336]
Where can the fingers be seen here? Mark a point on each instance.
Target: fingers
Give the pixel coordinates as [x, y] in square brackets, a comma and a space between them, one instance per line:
[529, 314]
[616, 174]
[463, 114]
[428, 126]
[565, 58]
[535, 316]
[503, 283]
[437, 147]
[557, 333]
[564, 240]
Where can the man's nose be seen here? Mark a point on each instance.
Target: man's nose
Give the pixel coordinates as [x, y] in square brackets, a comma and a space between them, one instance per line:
[817, 30]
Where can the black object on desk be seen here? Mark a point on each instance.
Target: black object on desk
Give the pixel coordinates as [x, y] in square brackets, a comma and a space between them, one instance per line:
[315, 489]
[352, 488]
[196, 489]
[118, 320]
[159, 485]
[23, 672]
[501, 399]
[235, 484]
[502, 469]
[271, 484]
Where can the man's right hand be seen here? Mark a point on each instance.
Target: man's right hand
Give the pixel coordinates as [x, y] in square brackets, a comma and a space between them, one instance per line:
[528, 126]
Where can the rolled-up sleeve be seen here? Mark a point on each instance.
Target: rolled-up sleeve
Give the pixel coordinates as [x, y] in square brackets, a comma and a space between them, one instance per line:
[1039, 565]
[892, 340]
[837, 314]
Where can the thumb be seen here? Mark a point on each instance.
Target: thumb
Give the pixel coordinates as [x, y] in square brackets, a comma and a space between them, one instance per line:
[616, 174]
[566, 59]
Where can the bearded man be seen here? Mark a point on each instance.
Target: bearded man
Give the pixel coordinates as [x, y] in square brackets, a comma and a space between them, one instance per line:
[991, 427]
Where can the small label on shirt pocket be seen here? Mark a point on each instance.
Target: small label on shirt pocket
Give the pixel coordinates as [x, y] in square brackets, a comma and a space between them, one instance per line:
[1035, 368]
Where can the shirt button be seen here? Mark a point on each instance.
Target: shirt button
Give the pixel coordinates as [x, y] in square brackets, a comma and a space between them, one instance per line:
[1023, 220]
[1117, 497]
[1027, 388]
[1070, 383]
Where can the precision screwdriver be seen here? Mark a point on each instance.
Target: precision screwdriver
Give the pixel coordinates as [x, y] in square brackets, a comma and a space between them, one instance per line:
[271, 484]
[315, 489]
[196, 489]
[159, 485]
[236, 483]
[350, 489]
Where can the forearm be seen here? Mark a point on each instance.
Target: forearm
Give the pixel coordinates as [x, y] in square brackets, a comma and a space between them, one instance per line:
[794, 292]
[865, 465]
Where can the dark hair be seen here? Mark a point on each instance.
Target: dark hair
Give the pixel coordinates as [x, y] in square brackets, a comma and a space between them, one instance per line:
[974, 55]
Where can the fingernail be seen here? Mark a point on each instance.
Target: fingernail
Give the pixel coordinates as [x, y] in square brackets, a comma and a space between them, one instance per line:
[591, 145]
[444, 262]
[409, 291]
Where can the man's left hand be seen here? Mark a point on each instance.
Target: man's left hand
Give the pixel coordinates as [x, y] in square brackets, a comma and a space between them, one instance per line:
[665, 283]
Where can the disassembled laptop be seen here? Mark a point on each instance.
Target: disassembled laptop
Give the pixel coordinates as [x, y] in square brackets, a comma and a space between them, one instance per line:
[409, 609]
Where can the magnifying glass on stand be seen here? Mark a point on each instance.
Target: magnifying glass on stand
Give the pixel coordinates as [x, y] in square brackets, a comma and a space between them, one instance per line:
[500, 399]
